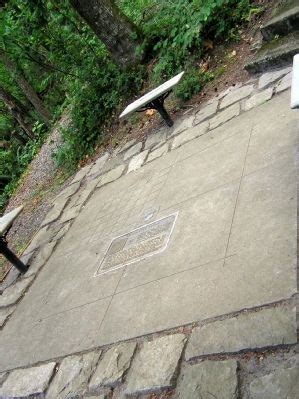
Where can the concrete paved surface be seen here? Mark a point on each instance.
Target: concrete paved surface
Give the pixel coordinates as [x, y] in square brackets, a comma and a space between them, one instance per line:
[232, 245]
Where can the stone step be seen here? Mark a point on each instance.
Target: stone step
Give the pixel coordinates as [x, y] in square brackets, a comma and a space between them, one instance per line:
[275, 54]
[285, 21]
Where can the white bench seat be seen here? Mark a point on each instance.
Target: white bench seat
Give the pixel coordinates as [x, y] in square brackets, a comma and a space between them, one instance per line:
[7, 220]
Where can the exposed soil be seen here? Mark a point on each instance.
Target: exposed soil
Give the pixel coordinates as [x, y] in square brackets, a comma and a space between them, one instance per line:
[43, 180]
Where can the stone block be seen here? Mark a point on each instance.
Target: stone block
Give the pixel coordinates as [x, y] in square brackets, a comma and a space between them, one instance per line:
[236, 95]
[281, 384]
[284, 84]
[126, 146]
[5, 313]
[112, 175]
[70, 213]
[225, 116]
[27, 383]
[258, 99]
[68, 191]
[62, 231]
[190, 134]
[265, 328]
[13, 293]
[157, 153]
[137, 161]
[98, 166]
[55, 211]
[112, 367]
[209, 379]
[182, 124]
[41, 258]
[79, 176]
[270, 77]
[71, 380]
[155, 365]
[205, 113]
[155, 139]
[132, 151]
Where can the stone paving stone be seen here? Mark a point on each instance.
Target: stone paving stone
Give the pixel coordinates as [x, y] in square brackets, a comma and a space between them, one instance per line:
[55, 212]
[112, 175]
[137, 161]
[258, 99]
[79, 176]
[112, 367]
[158, 152]
[236, 95]
[225, 116]
[228, 90]
[126, 146]
[42, 237]
[155, 139]
[41, 258]
[3, 377]
[70, 213]
[62, 231]
[4, 313]
[268, 327]
[270, 77]
[182, 124]
[11, 277]
[284, 83]
[98, 166]
[207, 112]
[132, 151]
[190, 134]
[71, 380]
[27, 383]
[81, 197]
[281, 384]
[68, 191]
[155, 365]
[13, 293]
[209, 379]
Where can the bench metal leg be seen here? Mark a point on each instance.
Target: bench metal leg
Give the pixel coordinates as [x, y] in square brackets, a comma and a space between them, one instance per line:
[158, 104]
[11, 257]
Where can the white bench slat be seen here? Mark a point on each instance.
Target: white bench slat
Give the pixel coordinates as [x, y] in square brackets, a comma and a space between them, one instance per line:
[7, 220]
[295, 83]
[152, 95]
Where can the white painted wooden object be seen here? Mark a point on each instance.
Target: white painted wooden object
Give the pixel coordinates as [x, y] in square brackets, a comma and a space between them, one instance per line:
[152, 95]
[295, 83]
[7, 220]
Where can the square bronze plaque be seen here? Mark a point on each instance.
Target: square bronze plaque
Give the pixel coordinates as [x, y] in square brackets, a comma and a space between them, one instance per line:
[138, 244]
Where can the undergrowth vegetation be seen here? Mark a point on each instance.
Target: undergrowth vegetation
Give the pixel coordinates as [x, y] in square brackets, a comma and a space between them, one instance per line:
[71, 70]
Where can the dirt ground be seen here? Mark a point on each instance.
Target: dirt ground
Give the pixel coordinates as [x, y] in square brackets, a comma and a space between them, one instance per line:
[43, 180]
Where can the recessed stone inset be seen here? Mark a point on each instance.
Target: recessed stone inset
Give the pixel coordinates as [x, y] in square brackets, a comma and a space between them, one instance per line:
[138, 244]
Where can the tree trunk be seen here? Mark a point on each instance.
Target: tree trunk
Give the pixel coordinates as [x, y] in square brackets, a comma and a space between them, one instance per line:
[112, 27]
[27, 89]
[17, 110]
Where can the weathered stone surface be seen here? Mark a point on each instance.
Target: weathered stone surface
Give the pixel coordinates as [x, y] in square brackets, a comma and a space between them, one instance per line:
[155, 139]
[209, 379]
[25, 383]
[81, 197]
[158, 152]
[132, 151]
[228, 90]
[225, 116]
[3, 377]
[79, 176]
[137, 161]
[270, 77]
[68, 191]
[268, 327]
[71, 380]
[112, 175]
[97, 168]
[154, 367]
[70, 213]
[284, 83]
[236, 95]
[113, 366]
[13, 293]
[62, 231]
[11, 277]
[190, 134]
[41, 258]
[182, 124]
[281, 384]
[56, 211]
[126, 146]
[207, 112]
[258, 99]
[5, 313]
[42, 237]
